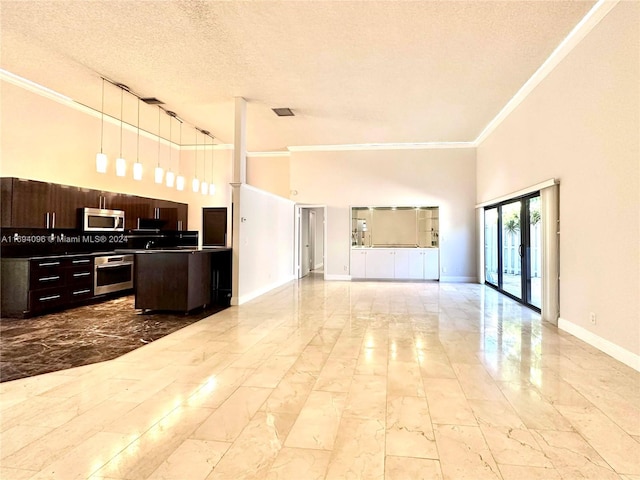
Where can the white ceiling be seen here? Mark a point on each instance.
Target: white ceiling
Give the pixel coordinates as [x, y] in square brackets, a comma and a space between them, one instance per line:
[353, 71]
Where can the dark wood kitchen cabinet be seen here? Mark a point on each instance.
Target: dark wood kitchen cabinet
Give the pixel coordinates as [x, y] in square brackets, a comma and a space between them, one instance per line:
[173, 213]
[43, 205]
[38, 285]
[173, 281]
[35, 204]
[6, 200]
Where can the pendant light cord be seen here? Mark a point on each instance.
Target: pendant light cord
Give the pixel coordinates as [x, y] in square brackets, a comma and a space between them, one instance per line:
[138, 145]
[121, 100]
[102, 118]
[158, 136]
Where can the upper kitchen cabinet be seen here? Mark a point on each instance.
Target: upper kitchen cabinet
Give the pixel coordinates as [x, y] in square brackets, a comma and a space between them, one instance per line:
[6, 197]
[173, 214]
[34, 204]
[134, 208]
[42, 205]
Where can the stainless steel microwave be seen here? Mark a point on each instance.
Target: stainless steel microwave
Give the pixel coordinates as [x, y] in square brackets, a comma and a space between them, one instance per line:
[99, 220]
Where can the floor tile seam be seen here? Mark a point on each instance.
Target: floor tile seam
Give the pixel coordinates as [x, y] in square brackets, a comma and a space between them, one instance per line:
[578, 430]
[582, 437]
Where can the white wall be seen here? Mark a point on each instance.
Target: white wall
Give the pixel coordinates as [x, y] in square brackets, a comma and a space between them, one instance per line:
[267, 238]
[434, 177]
[269, 173]
[581, 125]
[43, 139]
[319, 240]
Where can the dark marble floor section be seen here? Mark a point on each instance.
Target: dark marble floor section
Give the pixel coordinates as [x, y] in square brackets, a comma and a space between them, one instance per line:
[83, 335]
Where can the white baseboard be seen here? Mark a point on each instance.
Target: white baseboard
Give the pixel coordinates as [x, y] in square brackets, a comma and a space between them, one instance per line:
[336, 277]
[459, 279]
[610, 348]
[261, 291]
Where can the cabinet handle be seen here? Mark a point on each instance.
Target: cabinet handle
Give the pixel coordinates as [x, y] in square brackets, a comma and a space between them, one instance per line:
[46, 222]
[80, 292]
[51, 297]
[86, 260]
[53, 220]
[49, 279]
[49, 264]
[83, 274]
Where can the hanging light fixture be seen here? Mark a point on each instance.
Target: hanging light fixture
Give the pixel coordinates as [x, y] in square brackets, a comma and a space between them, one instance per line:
[158, 172]
[171, 177]
[121, 163]
[212, 187]
[137, 167]
[195, 184]
[101, 158]
[180, 177]
[204, 186]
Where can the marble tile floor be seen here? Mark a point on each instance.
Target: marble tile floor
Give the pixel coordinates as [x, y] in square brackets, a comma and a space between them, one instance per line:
[336, 380]
[83, 335]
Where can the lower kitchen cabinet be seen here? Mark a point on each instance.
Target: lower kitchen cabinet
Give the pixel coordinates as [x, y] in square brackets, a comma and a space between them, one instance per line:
[182, 280]
[395, 263]
[33, 286]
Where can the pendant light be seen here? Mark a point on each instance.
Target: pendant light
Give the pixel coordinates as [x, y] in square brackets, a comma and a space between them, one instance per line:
[137, 167]
[195, 184]
[180, 177]
[171, 177]
[121, 163]
[101, 158]
[158, 172]
[204, 186]
[212, 187]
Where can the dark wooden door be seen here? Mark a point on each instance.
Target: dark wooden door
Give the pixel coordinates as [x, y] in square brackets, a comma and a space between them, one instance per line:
[6, 186]
[64, 204]
[31, 206]
[214, 227]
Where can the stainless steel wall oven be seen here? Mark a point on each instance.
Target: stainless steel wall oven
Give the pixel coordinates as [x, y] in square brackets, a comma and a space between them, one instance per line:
[113, 273]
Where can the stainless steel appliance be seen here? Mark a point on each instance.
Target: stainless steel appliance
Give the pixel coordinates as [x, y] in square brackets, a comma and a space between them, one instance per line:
[113, 273]
[100, 220]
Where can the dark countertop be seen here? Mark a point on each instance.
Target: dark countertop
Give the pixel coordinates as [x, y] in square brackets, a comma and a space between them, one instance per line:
[119, 251]
[59, 255]
[173, 250]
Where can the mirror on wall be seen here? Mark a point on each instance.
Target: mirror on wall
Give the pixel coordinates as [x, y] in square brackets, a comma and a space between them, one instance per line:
[395, 227]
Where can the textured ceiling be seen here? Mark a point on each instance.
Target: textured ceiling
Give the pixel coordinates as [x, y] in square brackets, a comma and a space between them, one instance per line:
[353, 72]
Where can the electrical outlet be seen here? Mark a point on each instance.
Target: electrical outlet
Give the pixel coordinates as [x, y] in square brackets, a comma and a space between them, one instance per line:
[346, 268]
[444, 269]
[592, 318]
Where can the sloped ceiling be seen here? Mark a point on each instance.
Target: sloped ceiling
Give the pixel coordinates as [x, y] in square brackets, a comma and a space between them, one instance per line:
[353, 72]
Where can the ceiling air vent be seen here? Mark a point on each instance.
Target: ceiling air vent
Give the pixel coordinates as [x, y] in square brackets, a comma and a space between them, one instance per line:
[283, 112]
[152, 101]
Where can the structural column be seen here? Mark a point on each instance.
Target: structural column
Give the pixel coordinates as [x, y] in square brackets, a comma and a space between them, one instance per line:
[239, 178]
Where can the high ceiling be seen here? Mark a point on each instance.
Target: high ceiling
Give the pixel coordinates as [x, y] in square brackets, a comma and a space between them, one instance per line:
[352, 71]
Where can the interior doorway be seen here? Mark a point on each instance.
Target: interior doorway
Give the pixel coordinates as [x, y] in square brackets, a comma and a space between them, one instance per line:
[310, 240]
[214, 227]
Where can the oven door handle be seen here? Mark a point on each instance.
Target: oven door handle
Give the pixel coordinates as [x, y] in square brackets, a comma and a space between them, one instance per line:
[113, 265]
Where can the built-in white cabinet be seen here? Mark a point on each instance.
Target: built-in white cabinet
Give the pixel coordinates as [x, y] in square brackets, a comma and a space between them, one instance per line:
[380, 263]
[395, 263]
[358, 263]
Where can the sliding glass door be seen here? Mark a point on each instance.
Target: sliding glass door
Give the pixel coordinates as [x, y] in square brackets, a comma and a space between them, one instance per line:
[512, 248]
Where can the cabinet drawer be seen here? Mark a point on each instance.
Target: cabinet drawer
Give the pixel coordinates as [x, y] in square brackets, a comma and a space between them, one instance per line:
[46, 274]
[79, 276]
[45, 267]
[78, 293]
[46, 298]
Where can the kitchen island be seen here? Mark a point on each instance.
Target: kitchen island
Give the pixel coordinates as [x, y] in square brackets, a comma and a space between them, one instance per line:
[182, 279]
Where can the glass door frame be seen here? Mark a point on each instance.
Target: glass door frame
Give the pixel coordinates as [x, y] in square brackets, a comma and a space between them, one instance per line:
[525, 249]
